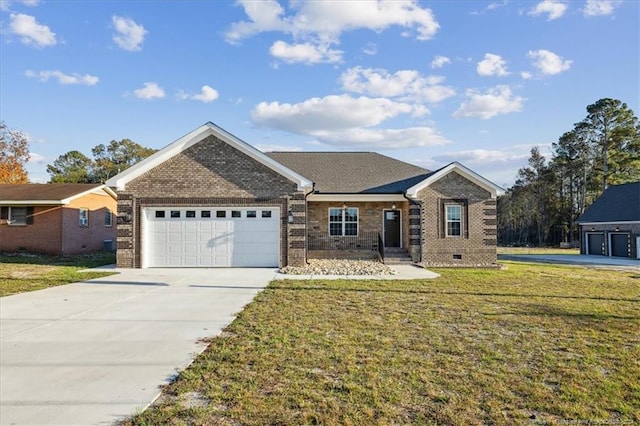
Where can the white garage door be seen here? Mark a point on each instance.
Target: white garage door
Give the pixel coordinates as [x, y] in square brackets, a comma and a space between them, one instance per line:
[211, 237]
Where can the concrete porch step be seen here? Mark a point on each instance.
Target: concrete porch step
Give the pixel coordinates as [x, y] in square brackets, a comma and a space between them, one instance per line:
[396, 256]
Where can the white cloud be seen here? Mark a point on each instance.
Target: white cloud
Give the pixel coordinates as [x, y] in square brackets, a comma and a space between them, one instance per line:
[383, 138]
[6, 4]
[327, 20]
[495, 101]
[331, 112]
[75, 78]
[404, 84]
[30, 31]
[548, 62]
[316, 26]
[492, 65]
[206, 95]
[526, 75]
[149, 91]
[554, 9]
[370, 49]
[306, 53]
[440, 61]
[129, 35]
[600, 7]
[346, 121]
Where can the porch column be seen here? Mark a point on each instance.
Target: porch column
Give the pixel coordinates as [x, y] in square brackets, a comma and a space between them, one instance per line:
[296, 230]
[415, 232]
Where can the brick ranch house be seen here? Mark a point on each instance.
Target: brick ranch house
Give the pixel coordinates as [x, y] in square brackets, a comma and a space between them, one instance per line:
[210, 199]
[57, 219]
[611, 225]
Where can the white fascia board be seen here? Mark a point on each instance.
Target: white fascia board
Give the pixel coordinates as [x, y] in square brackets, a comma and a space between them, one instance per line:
[493, 189]
[32, 203]
[623, 222]
[356, 197]
[100, 190]
[120, 180]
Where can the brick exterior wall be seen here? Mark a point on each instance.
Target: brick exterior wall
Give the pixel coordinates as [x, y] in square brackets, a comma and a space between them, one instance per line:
[210, 173]
[632, 228]
[55, 229]
[477, 245]
[370, 216]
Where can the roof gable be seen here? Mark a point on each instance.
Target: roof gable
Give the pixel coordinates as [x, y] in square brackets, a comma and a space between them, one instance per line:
[49, 193]
[208, 129]
[618, 203]
[467, 173]
[352, 172]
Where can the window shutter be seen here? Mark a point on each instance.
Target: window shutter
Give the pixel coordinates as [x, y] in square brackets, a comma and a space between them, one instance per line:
[29, 215]
[4, 213]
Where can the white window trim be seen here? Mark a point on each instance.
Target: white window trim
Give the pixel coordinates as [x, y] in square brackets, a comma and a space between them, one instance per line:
[343, 222]
[86, 221]
[12, 222]
[447, 221]
[110, 224]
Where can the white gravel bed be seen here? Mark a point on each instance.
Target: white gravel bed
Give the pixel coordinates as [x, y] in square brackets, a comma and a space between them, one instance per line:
[339, 267]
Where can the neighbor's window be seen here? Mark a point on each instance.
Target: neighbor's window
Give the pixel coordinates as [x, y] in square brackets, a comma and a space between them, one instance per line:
[83, 217]
[454, 220]
[251, 213]
[343, 221]
[17, 216]
[107, 219]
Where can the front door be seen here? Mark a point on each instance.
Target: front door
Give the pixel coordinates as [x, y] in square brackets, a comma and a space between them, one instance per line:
[391, 228]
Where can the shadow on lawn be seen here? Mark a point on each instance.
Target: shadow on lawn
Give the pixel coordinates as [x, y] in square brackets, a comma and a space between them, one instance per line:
[535, 310]
[453, 293]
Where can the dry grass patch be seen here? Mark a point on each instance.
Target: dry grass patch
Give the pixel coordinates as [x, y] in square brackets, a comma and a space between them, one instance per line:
[21, 273]
[530, 344]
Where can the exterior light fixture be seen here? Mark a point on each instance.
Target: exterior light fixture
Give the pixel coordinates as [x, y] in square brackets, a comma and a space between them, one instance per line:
[617, 229]
[393, 206]
[344, 206]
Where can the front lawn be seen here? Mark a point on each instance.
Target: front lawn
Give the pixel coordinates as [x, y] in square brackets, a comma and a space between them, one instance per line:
[20, 273]
[537, 250]
[532, 344]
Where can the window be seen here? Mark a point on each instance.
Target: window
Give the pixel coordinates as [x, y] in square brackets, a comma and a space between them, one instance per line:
[175, 213]
[107, 219]
[454, 220]
[251, 213]
[221, 213]
[205, 213]
[17, 215]
[343, 221]
[236, 213]
[266, 213]
[191, 213]
[159, 213]
[83, 217]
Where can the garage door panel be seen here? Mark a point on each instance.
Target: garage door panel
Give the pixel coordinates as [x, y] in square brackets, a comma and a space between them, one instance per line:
[619, 245]
[216, 238]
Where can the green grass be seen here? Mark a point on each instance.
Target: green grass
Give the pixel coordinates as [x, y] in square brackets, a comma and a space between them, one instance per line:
[21, 273]
[537, 250]
[532, 344]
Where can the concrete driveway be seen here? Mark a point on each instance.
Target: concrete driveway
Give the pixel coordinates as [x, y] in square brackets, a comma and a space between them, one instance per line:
[95, 352]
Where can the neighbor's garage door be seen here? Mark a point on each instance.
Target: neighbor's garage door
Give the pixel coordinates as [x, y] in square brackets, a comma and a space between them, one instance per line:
[211, 237]
[595, 244]
[620, 245]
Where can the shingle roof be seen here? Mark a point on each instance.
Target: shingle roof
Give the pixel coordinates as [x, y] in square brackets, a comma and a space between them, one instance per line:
[43, 192]
[352, 172]
[619, 203]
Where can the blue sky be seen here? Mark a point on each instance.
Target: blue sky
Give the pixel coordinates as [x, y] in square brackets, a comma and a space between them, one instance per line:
[428, 82]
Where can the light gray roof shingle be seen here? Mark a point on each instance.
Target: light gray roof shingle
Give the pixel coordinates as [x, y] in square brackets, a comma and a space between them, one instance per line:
[42, 191]
[352, 172]
[618, 203]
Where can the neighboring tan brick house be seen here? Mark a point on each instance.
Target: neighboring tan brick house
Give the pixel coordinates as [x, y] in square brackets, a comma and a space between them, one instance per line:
[58, 219]
[611, 225]
[210, 199]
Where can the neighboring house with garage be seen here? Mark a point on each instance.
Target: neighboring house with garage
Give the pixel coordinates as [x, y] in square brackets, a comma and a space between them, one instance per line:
[611, 225]
[58, 219]
[210, 199]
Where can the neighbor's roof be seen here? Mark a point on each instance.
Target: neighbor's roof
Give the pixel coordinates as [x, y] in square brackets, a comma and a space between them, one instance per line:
[352, 172]
[48, 193]
[619, 203]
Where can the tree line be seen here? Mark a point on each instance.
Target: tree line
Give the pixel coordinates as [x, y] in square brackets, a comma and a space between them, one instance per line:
[549, 195]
